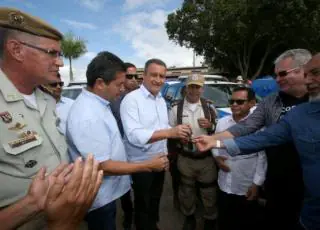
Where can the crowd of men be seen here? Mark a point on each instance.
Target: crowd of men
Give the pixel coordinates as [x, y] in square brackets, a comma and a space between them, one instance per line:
[65, 163]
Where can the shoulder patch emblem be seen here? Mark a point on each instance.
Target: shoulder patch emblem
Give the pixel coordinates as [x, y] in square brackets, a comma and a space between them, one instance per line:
[6, 117]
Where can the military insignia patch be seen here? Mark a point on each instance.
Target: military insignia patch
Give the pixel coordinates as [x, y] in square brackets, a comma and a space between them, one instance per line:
[22, 141]
[16, 19]
[17, 126]
[6, 117]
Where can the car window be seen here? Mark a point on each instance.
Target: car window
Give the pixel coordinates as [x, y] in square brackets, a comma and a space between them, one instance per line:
[71, 93]
[219, 94]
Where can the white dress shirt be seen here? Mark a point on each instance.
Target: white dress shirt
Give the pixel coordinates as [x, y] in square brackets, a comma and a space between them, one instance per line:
[244, 169]
[142, 114]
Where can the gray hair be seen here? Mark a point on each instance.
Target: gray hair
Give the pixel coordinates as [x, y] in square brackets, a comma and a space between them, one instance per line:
[299, 56]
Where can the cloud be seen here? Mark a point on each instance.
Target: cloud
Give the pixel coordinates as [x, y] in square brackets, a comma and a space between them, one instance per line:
[90, 55]
[79, 25]
[148, 37]
[94, 5]
[79, 73]
[133, 4]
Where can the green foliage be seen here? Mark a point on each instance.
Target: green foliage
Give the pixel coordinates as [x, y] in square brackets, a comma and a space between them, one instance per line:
[244, 36]
[72, 48]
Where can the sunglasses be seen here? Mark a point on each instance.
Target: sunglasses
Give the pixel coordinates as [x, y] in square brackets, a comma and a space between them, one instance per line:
[61, 84]
[237, 101]
[284, 73]
[131, 76]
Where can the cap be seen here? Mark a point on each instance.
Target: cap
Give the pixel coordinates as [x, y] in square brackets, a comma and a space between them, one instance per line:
[239, 78]
[195, 80]
[14, 19]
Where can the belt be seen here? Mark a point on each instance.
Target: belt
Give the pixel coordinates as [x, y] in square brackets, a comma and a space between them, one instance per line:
[195, 155]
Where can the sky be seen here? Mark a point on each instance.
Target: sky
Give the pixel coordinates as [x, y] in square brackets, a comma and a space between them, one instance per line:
[132, 29]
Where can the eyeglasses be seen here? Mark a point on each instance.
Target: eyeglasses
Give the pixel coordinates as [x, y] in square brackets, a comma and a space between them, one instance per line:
[51, 52]
[130, 76]
[237, 101]
[284, 73]
[55, 84]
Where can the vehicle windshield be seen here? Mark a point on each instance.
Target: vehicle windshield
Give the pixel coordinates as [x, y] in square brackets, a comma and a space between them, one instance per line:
[72, 93]
[218, 94]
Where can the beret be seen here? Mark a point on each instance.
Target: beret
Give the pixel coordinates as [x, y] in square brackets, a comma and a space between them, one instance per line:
[17, 20]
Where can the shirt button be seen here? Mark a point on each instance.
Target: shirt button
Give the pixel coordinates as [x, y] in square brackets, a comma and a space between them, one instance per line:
[30, 164]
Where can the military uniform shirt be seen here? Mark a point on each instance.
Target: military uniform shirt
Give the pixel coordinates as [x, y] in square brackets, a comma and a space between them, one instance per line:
[29, 140]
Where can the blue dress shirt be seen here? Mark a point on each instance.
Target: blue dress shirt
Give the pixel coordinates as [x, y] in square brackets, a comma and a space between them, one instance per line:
[62, 109]
[302, 126]
[142, 114]
[91, 128]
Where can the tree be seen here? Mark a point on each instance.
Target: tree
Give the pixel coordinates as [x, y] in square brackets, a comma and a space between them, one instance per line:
[241, 36]
[72, 48]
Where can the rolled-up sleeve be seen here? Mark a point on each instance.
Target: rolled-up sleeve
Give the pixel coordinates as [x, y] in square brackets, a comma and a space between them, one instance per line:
[261, 169]
[136, 133]
[274, 135]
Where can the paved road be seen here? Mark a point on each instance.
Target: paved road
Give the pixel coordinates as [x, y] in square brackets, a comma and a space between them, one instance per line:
[170, 218]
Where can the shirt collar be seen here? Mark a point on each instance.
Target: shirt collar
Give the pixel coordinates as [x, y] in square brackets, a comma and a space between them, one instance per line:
[314, 107]
[232, 120]
[186, 103]
[147, 93]
[9, 91]
[95, 96]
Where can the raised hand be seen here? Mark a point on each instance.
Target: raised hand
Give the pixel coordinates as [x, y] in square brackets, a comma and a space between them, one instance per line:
[67, 203]
[181, 131]
[204, 142]
[159, 163]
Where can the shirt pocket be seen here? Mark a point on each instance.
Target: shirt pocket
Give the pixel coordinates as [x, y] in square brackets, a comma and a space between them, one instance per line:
[17, 140]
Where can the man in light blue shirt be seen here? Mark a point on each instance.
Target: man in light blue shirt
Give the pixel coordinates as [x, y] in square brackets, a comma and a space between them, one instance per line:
[145, 122]
[63, 103]
[92, 128]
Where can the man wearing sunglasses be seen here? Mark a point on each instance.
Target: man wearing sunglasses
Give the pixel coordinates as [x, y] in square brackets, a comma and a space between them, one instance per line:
[63, 103]
[301, 126]
[130, 84]
[239, 183]
[284, 184]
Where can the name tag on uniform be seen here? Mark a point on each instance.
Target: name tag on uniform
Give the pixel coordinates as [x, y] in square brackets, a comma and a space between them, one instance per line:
[25, 141]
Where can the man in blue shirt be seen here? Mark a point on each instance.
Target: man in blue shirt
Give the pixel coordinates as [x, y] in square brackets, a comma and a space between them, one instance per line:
[63, 103]
[92, 128]
[145, 121]
[130, 84]
[301, 126]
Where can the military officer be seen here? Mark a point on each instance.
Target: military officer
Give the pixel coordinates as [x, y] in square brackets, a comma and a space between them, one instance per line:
[30, 55]
[195, 168]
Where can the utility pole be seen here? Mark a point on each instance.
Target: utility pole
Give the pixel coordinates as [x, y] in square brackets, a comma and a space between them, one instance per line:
[194, 58]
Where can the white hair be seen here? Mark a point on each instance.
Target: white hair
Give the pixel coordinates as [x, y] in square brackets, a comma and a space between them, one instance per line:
[299, 56]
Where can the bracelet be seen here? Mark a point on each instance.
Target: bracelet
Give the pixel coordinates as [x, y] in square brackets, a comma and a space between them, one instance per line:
[218, 144]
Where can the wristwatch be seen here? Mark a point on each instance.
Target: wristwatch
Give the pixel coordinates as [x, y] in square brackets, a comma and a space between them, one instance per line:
[218, 144]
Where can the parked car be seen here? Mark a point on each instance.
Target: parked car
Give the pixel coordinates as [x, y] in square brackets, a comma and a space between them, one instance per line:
[73, 89]
[219, 92]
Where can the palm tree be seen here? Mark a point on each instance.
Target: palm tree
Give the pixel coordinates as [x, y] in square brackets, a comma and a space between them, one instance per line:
[72, 47]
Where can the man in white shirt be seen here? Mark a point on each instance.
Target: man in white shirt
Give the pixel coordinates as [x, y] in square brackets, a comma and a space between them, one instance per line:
[239, 182]
[145, 122]
[63, 103]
